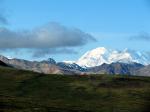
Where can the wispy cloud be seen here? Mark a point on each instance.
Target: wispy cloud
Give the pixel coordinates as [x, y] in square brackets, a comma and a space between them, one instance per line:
[143, 36]
[3, 18]
[38, 53]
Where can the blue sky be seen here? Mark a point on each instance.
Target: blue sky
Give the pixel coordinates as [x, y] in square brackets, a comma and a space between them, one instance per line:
[115, 24]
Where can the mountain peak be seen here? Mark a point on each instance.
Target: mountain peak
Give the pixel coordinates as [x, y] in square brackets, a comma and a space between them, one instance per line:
[94, 57]
[101, 55]
[52, 61]
[100, 50]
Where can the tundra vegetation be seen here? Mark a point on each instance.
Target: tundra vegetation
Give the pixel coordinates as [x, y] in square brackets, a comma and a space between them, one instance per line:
[26, 91]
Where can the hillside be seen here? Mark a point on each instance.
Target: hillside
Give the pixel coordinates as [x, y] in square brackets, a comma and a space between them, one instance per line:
[145, 71]
[117, 68]
[3, 64]
[46, 66]
[25, 91]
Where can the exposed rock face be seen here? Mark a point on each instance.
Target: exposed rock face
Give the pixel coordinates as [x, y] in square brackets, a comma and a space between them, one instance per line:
[41, 67]
[145, 71]
[72, 66]
[4, 59]
[116, 68]
[49, 61]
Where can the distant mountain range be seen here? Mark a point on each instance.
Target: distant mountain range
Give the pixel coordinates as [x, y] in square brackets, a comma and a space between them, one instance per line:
[97, 61]
[117, 68]
[102, 55]
[46, 66]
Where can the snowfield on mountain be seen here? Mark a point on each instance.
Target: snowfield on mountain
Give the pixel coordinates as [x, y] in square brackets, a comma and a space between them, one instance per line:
[102, 55]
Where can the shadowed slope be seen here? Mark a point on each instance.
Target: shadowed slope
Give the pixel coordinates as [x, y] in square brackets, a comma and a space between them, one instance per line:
[3, 64]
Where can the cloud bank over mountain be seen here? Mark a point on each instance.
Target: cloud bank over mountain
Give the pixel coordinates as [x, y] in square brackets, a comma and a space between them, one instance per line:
[52, 38]
[52, 35]
[37, 53]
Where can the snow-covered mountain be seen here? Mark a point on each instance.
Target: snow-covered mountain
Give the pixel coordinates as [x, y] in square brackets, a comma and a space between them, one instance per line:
[102, 55]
